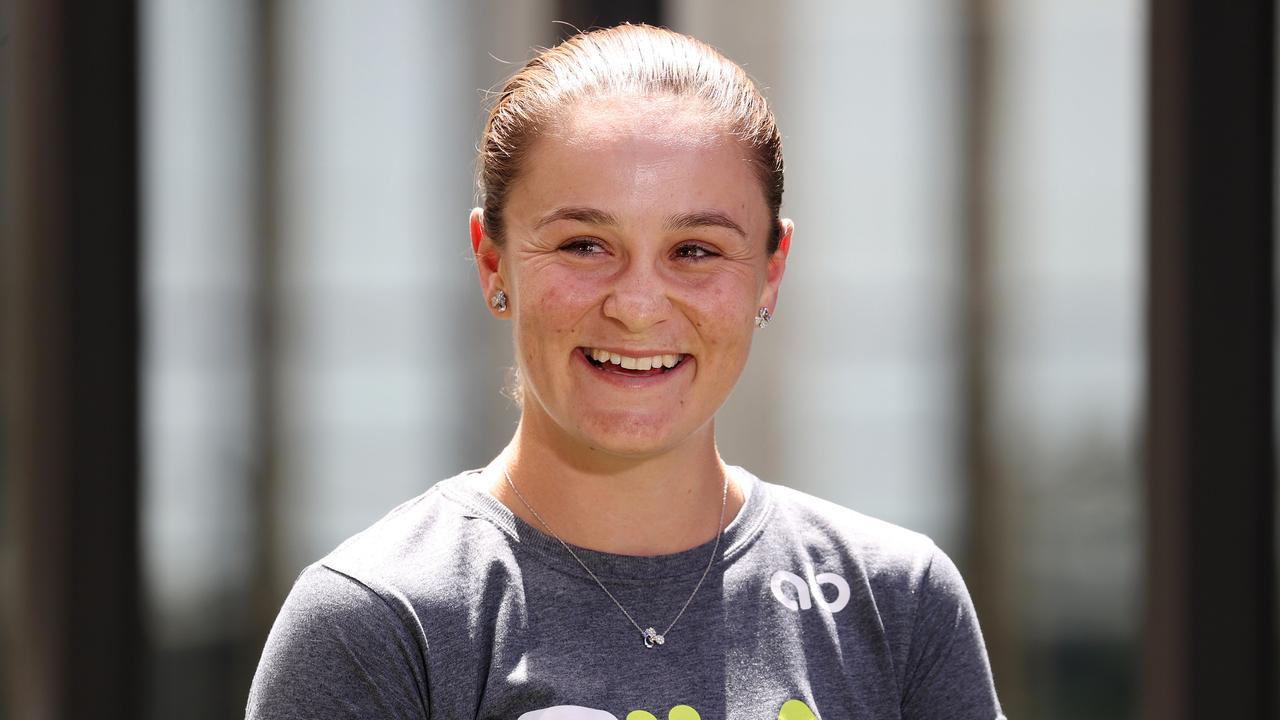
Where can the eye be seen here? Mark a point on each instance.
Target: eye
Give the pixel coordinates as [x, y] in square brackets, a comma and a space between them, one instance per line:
[583, 247]
[694, 251]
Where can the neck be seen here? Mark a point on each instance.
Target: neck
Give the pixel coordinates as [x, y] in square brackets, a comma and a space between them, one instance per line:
[653, 505]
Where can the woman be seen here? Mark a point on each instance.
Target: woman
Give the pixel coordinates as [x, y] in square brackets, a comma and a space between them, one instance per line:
[608, 563]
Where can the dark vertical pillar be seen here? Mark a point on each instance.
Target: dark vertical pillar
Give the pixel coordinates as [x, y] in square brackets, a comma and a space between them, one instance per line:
[269, 583]
[586, 14]
[69, 334]
[988, 558]
[1210, 604]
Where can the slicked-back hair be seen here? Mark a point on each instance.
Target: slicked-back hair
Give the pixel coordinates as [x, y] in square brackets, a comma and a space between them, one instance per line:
[623, 61]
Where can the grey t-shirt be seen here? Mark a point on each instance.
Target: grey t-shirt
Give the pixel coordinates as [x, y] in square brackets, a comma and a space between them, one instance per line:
[453, 607]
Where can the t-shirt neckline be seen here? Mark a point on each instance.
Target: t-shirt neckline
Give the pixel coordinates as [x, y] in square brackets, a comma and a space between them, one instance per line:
[737, 535]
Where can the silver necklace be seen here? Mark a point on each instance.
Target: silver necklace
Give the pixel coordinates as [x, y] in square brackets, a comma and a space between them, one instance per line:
[652, 638]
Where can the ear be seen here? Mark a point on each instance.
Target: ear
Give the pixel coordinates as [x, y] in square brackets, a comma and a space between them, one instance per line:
[488, 258]
[777, 266]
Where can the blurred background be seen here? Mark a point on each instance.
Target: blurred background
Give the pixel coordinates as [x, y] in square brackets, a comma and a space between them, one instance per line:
[1031, 291]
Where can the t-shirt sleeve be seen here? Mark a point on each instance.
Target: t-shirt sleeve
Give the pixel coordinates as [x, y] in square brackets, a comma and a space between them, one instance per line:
[948, 673]
[338, 650]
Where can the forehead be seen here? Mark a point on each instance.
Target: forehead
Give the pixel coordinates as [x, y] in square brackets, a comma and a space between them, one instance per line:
[683, 122]
[638, 154]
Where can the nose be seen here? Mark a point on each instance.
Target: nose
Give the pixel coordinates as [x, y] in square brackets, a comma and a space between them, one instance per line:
[638, 299]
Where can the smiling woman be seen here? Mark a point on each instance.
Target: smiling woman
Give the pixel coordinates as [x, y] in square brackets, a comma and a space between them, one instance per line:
[636, 227]
[608, 557]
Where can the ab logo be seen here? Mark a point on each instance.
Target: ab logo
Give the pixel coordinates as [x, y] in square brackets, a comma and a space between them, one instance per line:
[804, 594]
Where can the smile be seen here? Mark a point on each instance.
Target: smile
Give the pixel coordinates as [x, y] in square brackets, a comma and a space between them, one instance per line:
[647, 365]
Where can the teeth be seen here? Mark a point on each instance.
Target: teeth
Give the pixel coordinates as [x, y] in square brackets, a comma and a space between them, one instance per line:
[631, 363]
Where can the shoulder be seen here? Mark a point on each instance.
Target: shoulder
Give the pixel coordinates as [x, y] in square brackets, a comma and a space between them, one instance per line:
[359, 626]
[324, 605]
[338, 649]
[426, 547]
[887, 554]
[901, 576]
[911, 588]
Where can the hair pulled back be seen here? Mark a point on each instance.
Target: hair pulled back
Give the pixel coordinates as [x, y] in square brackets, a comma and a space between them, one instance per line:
[638, 60]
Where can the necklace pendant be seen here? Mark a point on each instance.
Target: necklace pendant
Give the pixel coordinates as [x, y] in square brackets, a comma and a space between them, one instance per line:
[652, 638]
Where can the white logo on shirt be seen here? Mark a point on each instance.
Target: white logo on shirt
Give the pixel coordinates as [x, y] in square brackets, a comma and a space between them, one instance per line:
[804, 598]
[568, 712]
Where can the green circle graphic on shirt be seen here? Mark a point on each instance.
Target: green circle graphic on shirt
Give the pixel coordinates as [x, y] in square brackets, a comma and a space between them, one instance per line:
[640, 715]
[683, 712]
[796, 710]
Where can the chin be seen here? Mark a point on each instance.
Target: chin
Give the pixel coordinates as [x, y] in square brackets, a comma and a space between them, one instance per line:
[633, 436]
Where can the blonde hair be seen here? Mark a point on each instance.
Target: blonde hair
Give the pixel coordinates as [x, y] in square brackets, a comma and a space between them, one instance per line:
[623, 60]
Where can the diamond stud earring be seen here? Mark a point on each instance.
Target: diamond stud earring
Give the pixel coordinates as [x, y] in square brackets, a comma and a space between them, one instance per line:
[763, 316]
[499, 300]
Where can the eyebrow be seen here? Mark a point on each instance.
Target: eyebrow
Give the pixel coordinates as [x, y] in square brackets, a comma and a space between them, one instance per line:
[680, 221]
[704, 218]
[590, 216]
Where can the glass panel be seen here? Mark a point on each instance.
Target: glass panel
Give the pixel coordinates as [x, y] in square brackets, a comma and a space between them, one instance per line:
[197, 284]
[374, 163]
[1068, 222]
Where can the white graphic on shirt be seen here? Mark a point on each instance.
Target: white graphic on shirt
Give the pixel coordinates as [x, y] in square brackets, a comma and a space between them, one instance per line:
[805, 597]
[791, 710]
[568, 712]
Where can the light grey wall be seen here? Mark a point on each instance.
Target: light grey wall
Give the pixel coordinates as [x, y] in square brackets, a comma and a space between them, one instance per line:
[198, 228]
[374, 156]
[1068, 239]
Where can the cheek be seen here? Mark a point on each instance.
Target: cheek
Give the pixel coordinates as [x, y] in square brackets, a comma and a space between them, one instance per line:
[554, 305]
[724, 313]
[557, 300]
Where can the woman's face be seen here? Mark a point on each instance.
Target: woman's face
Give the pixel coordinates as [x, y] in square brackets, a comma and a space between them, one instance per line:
[637, 231]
